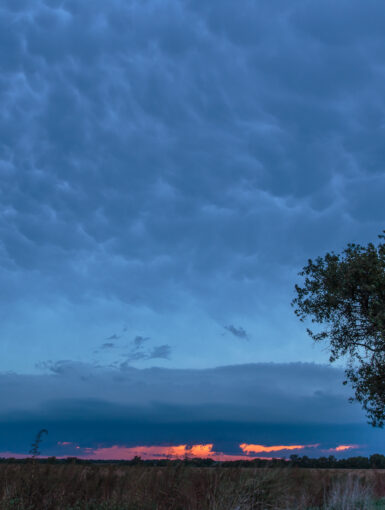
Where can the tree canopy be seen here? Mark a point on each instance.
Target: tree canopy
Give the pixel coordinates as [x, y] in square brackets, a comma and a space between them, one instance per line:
[345, 295]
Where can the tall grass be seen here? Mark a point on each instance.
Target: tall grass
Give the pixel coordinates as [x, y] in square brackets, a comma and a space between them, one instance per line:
[113, 487]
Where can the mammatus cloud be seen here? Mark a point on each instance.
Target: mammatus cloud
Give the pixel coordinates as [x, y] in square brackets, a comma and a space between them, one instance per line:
[192, 161]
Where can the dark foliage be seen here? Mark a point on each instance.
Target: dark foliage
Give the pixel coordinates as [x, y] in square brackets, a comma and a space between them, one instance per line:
[345, 295]
[375, 461]
[34, 451]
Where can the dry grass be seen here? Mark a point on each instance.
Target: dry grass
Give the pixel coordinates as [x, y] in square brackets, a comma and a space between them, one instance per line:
[113, 487]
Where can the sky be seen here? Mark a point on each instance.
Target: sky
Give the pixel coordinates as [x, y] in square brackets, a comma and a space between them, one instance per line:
[167, 167]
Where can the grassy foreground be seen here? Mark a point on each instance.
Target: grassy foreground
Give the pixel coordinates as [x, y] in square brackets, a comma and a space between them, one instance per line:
[177, 487]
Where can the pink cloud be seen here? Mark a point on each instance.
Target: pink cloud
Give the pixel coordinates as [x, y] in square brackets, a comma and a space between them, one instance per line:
[258, 448]
[344, 447]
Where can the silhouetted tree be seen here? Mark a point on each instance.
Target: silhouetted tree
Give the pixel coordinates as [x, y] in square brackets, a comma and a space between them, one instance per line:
[345, 295]
[34, 451]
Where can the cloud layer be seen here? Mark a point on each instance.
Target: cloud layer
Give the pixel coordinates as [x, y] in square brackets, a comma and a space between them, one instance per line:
[181, 159]
[259, 392]
[256, 409]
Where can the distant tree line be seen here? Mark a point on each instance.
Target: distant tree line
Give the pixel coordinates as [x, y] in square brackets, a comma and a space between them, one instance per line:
[375, 461]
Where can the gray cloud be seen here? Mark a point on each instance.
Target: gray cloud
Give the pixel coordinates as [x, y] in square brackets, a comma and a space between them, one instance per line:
[160, 352]
[108, 345]
[265, 403]
[130, 357]
[204, 123]
[268, 393]
[237, 331]
[113, 337]
[157, 352]
[176, 156]
[139, 341]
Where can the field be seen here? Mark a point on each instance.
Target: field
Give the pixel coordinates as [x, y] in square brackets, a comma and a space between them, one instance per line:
[179, 487]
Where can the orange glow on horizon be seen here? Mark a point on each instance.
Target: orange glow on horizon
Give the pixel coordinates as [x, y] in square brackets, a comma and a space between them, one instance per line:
[163, 452]
[183, 451]
[259, 448]
[344, 447]
[202, 450]
[174, 452]
[153, 452]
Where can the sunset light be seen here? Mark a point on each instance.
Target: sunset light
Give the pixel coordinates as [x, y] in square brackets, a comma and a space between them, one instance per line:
[201, 451]
[343, 447]
[194, 451]
[153, 452]
[258, 448]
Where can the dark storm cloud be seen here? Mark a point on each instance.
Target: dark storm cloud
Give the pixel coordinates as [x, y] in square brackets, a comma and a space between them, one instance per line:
[265, 392]
[261, 404]
[155, 149]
